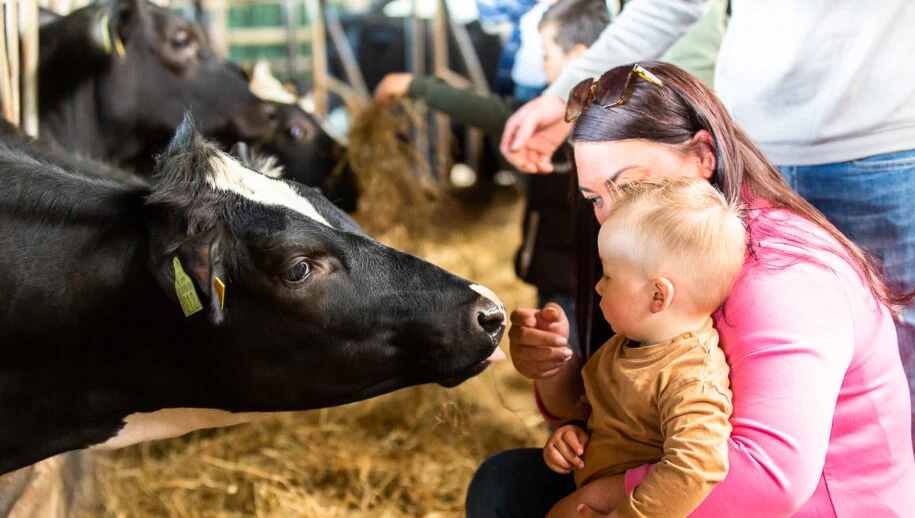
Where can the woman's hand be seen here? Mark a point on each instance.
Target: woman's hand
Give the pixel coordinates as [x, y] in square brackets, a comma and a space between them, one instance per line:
[564, 450]
[539, 341]
[534, 132]
[392, 85]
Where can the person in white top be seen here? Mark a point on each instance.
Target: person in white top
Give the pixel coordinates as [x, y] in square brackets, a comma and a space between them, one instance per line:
[527, 71]
[825, 88]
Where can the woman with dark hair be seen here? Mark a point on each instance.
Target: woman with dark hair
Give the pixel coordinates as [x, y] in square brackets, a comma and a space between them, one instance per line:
[821, 424]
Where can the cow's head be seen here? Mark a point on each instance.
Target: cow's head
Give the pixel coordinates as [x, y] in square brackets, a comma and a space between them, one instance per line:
[304, 309]
[309, 152]
[147, 66]
[309, 155]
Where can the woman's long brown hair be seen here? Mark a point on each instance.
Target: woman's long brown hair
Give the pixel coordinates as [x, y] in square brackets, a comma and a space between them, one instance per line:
[672, 115]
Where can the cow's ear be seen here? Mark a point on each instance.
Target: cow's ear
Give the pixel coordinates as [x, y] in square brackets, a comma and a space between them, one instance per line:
[188, 232]
[127, 17]
[192, 274]
[185, 162]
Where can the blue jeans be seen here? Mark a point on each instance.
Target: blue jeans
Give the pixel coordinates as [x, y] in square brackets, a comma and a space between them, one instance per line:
[872, 200]
[516, 484]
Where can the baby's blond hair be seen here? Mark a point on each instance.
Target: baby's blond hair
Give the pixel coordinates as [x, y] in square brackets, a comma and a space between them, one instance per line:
[680, 228]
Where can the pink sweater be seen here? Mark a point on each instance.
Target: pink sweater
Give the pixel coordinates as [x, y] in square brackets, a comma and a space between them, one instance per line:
[821, 421]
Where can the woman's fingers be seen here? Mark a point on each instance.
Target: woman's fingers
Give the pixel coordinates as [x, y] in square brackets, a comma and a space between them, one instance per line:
[524, 317]
[531, 336]
[537, 370]
[538, 346]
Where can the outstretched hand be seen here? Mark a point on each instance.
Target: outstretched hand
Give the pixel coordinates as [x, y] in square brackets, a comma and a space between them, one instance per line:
[534, 132]
[539, 340]
[391, 86]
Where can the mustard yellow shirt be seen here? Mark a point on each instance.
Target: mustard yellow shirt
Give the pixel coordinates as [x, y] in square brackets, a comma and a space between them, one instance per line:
[666, 403]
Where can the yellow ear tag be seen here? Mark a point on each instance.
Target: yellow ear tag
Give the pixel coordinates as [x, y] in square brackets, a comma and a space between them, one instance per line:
[221, 291]
[106, 37]
[119, 46]
[105, 33]
[187, 294]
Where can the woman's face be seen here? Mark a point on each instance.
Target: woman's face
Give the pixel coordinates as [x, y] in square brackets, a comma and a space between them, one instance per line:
[602, 163]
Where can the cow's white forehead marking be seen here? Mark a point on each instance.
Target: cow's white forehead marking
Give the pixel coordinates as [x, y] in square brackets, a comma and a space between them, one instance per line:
[489, 294]
[229, 175]
[173, 422]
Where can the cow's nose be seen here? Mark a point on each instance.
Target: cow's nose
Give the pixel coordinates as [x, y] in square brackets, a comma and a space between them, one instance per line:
[491, 317]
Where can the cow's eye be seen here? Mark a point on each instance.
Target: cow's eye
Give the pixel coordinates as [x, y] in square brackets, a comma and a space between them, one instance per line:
[298, 273]
[298, 132]
[181, 40]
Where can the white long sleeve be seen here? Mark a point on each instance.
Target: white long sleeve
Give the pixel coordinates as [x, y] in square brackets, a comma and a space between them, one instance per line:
[821, 81]
[644, 29]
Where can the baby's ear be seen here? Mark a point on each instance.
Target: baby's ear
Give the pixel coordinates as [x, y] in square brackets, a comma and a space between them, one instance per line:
[662, 294]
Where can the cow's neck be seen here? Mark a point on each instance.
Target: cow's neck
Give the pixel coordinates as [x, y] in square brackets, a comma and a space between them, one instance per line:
[69, 114]
[108, 342]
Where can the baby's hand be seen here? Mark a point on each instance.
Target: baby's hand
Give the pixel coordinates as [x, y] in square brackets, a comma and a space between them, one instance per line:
[563, 451]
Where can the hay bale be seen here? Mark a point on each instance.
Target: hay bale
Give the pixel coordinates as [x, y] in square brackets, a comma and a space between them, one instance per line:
[398, 190]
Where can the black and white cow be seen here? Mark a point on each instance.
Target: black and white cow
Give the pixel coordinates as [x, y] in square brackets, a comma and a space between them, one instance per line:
[116, 78]
[131, 312]
[309, 155]
[308, 151]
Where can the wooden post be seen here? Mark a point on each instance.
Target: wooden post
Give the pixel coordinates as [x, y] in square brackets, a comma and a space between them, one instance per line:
[473, 137]
[12, 50]
[318, 56]
[290, 13]
[469, 57]
[345, 51]
[416, 63]
[440, 63]
[28, 13]
[219, 26]
[6, 81]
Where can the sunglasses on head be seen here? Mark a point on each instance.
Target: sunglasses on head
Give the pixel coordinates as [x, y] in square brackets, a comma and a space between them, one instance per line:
[611, 89]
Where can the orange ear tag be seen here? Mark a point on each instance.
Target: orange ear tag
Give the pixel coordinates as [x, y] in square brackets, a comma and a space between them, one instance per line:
[221, 291]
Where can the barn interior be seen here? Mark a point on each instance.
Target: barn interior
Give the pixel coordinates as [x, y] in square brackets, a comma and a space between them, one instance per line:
[411, 453]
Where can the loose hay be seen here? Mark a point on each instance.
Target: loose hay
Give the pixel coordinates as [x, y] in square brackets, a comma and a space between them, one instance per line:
[407, 454]
[399, 190]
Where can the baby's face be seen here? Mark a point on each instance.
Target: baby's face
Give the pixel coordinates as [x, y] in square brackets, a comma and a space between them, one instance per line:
[625, 297]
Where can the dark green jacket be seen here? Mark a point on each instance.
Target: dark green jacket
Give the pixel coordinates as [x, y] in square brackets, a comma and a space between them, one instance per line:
[465, 106]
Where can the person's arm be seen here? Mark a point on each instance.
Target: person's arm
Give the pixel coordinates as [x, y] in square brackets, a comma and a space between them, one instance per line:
[788, 335]
[539, 344]
[557, 395]
[645, 29]
[694, 418]
[464, 105]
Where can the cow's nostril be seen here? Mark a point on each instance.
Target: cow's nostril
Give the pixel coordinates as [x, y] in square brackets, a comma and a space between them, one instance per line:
[492, 319]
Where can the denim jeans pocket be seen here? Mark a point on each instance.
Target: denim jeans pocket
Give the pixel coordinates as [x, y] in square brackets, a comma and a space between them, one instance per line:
[886, 162]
